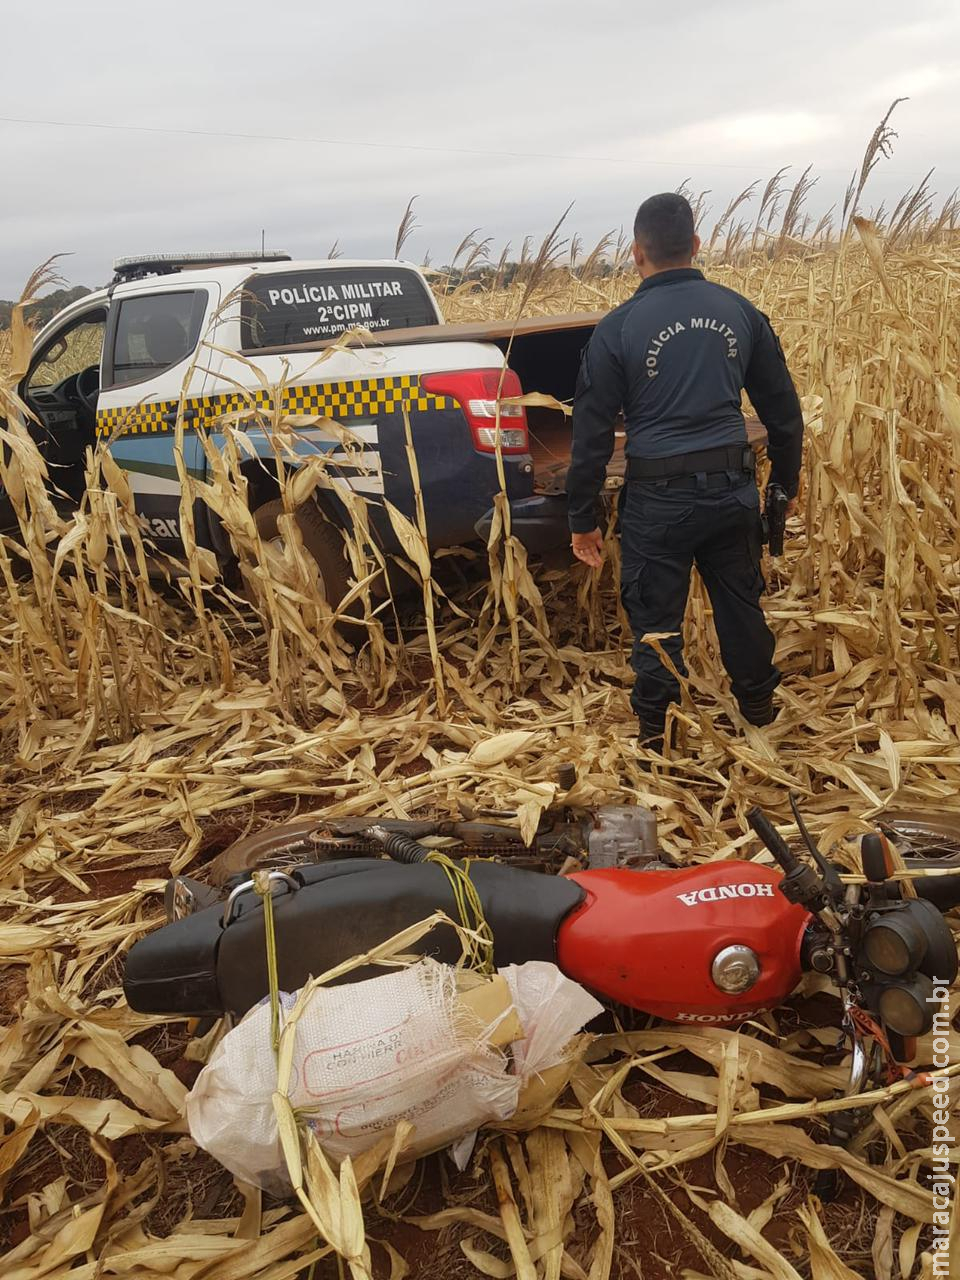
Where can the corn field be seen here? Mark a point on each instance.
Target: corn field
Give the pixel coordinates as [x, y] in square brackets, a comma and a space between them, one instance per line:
[145, 724]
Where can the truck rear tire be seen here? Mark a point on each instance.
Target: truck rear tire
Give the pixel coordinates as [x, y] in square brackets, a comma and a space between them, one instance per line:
[321, 539]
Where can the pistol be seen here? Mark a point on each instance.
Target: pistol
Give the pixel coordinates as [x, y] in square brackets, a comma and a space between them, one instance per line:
[775, 517]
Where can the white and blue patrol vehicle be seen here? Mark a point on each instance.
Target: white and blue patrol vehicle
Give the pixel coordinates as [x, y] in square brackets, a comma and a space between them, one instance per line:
[221, 335]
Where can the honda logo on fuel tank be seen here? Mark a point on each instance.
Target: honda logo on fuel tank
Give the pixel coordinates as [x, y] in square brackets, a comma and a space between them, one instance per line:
[717, 893]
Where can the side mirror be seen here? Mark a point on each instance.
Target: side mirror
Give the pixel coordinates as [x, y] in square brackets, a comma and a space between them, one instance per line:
[53, 354]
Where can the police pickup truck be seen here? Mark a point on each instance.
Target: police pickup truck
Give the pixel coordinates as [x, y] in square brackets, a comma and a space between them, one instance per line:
[250, 337]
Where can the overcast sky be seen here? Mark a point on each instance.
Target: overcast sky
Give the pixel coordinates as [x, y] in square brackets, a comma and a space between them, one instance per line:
[497, 114]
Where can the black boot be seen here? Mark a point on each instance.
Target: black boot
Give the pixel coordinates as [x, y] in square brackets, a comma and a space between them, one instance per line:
[652, 727]
[758, 711]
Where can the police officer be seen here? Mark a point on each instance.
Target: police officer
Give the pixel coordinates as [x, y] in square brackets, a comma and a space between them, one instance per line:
[674, 359]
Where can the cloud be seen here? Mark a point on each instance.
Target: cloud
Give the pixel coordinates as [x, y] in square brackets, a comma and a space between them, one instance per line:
[632, 98]
[749, 135]
[913, 83]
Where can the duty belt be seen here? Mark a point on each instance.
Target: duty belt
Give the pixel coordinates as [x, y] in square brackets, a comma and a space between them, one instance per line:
[735, 458]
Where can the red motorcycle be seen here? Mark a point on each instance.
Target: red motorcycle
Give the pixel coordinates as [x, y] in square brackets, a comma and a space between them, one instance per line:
[711, 943]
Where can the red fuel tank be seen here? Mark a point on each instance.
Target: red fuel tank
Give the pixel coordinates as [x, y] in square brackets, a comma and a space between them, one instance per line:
[649, 939]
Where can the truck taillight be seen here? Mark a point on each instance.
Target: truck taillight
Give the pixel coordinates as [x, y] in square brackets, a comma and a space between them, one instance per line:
[476, 391]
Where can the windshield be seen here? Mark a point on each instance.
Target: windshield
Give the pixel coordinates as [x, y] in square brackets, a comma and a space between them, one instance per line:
[294, 307]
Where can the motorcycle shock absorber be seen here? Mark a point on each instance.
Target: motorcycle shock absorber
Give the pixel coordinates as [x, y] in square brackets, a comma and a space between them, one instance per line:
[398, 846]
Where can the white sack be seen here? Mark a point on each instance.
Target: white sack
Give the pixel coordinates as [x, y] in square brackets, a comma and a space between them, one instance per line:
[372, 1053]
[552, 1009]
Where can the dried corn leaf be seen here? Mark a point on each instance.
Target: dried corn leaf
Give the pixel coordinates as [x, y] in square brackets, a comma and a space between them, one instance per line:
[137, 720]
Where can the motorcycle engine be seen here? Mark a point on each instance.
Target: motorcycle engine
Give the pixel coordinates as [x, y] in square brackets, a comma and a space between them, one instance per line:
[621, 835]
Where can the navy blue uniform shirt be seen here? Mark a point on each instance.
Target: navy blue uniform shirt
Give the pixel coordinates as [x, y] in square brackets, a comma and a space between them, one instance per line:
[674, 359]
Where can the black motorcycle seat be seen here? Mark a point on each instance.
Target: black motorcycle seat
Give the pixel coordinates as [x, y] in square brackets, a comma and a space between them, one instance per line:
[342, 908]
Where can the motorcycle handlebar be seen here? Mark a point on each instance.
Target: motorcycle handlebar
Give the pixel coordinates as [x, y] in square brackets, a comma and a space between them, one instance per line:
[773, 840]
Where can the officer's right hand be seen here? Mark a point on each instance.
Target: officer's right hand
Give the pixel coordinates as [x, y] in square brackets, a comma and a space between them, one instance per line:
[588, 547]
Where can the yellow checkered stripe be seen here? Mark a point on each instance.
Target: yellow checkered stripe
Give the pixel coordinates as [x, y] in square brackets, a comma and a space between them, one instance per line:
[367, 398]
[144, 419]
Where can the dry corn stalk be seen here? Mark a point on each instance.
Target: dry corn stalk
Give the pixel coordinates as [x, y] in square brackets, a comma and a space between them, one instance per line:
[137, 717]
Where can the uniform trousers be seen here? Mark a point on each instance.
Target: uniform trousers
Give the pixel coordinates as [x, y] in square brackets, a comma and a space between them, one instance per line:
[667, 526]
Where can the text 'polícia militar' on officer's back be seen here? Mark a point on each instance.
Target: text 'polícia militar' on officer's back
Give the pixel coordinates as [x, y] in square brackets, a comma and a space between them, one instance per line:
[696, 322]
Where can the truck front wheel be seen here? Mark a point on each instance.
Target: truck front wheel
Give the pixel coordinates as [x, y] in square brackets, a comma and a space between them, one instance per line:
[321, 539]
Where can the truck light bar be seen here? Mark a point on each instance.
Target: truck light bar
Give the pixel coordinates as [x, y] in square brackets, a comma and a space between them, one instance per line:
[159, 264]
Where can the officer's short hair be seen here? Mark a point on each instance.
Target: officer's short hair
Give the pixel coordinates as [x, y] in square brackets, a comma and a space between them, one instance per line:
[664, 228]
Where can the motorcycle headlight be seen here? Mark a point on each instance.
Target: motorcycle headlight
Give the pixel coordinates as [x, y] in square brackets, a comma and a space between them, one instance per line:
[895, 943]
[735, 969]
[906, 1007]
